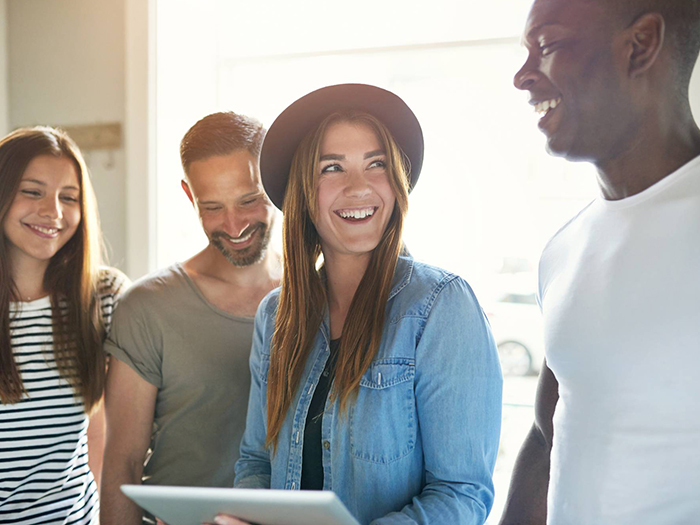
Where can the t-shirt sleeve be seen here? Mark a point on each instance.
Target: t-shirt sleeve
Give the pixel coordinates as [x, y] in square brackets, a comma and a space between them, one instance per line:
[119, 283]
[112, 284]
[134, 338]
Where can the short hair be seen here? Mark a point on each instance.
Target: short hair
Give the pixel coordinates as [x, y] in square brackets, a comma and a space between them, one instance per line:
[221, 133]
[682, 18]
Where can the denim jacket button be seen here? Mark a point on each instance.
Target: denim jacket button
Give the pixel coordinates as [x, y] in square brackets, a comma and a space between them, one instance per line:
[326, 445]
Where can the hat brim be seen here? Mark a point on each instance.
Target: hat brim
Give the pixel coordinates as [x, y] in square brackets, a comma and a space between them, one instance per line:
[302, 116]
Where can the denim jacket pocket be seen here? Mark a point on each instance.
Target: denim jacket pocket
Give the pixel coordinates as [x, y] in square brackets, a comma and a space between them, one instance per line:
[383, 417]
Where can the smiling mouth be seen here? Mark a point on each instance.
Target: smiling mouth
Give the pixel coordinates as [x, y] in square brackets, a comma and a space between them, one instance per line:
[544, 107]
[44, 231]
[242, 238]
[356, 214]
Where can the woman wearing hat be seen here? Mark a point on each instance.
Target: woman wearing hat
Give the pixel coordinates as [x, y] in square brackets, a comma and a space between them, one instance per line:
[373, 375]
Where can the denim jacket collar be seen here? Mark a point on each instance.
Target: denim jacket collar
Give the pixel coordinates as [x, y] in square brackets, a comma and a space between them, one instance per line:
[402, 276]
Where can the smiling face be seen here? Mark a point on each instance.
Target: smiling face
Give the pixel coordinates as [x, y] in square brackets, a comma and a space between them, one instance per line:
[45, 212]
[234, 210]
[576, 76]
[354, 193]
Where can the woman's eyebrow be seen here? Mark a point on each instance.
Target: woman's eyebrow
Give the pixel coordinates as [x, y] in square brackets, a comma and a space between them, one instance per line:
[42, 183]
[332, 156]
[34, 181]
[374, 153]
[368, 155]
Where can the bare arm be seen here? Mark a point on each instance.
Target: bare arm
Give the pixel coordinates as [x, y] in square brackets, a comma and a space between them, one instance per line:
[527, 497]
[129, 408]
[96, 442]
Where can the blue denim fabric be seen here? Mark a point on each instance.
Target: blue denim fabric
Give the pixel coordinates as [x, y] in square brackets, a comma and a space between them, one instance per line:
[420, 443]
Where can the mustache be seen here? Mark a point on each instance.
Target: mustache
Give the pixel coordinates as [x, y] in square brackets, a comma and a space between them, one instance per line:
[220, 234]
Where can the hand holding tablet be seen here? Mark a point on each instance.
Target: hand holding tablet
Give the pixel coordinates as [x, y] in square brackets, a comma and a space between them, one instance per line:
[223, 519]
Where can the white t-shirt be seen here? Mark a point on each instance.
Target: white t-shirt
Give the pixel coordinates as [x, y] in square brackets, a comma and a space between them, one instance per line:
[620, 295]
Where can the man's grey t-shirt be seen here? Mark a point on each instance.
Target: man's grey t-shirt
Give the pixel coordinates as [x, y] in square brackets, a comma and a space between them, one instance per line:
[197, 357]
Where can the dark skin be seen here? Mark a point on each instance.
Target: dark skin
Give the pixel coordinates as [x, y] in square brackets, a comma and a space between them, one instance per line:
[618, 106]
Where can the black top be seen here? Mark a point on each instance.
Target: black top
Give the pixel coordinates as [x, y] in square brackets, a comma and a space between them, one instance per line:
[312, 455]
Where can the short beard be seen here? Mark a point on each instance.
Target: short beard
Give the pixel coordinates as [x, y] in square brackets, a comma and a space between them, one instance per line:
[250, 255]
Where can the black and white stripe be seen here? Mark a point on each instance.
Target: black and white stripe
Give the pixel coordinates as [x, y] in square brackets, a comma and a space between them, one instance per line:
[44, 474]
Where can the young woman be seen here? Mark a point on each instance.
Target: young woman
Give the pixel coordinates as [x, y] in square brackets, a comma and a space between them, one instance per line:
[373, 375]
[55, 306]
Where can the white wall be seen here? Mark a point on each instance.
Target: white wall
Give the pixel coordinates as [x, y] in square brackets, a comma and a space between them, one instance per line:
[66, 66]
[140, 132]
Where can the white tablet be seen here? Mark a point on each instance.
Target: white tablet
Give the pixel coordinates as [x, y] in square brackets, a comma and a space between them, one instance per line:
[196, 505]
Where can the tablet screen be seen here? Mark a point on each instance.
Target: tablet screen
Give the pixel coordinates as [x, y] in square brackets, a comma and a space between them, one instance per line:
[196, 505]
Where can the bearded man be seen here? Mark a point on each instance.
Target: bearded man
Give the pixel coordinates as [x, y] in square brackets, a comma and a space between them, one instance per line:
[178, 384]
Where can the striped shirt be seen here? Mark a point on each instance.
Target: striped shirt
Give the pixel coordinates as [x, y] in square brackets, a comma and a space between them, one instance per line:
[44, 473]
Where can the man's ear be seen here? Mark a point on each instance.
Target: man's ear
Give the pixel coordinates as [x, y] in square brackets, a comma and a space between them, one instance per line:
[187, 189]
[647, 36]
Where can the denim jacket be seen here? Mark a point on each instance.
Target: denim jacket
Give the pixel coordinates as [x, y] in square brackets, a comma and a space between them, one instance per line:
[420, 442]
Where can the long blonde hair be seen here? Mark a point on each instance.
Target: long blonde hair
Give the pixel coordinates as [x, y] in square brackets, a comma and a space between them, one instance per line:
[303, 298]
[71, 277]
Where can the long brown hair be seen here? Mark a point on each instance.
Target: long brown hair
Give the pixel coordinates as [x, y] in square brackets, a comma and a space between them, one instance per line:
[71, 277]
[303, 295]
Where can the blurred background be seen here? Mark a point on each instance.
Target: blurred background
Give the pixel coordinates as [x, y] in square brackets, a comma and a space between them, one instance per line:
[127, 78]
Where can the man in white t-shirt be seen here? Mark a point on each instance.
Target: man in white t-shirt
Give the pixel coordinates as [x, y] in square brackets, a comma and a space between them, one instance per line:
[616, 438]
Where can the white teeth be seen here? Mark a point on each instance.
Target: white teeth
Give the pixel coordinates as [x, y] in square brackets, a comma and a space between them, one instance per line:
[546, 105]
[356, 214]
[241, 239]
[47, 231]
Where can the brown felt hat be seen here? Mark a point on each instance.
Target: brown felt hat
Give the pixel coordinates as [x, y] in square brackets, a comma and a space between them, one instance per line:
[292, 125]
